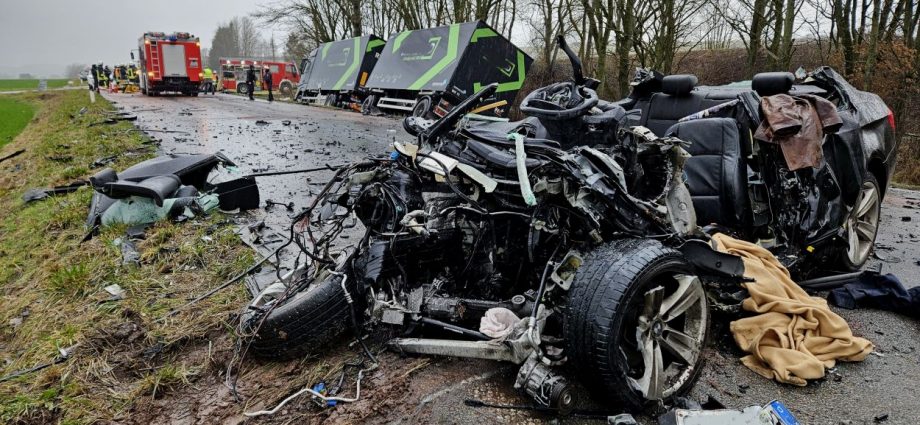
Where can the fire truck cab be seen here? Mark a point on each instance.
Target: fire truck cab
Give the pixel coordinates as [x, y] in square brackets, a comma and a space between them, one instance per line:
[170, 63]
[233, 75]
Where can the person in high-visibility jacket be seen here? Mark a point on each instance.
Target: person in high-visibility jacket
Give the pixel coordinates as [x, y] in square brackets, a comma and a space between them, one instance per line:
[132, 74]
[208, 80]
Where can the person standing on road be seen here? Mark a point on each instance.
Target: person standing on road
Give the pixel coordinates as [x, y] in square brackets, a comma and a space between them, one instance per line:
[267, 78]
[251, 80]
[208, 81]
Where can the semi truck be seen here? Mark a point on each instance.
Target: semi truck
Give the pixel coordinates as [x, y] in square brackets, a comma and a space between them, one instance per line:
[169, 63]
[428, 71]
[338, 70]
[285, 75]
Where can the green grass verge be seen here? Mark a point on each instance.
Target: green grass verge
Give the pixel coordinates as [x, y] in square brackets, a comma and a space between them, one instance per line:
[51, 284]
[32, 84]
[16, 115]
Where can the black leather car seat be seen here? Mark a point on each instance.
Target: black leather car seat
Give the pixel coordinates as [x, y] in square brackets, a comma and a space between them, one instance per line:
[716, 173]
[771, 83]
[675, 101]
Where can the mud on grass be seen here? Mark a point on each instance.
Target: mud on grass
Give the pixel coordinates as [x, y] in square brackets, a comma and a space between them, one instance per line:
[52, 285]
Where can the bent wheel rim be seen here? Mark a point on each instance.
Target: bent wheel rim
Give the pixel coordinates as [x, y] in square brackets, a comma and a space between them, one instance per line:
[862, 224]
[669, 334]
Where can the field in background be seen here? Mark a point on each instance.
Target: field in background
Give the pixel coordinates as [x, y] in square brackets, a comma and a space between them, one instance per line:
[16, 116]
[32, 84]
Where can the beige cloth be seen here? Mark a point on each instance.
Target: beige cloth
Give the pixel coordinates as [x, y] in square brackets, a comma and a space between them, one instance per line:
[795, 336]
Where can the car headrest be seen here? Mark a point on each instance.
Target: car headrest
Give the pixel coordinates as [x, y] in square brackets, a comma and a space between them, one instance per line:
[107, 175]
[678, 85]
[771, 83]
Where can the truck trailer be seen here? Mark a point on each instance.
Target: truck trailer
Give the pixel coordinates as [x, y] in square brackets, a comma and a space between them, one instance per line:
[429, 70]
[170, 63]
[336, 72]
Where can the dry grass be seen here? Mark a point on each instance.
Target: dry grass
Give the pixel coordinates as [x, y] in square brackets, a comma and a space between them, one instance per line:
[51, 284]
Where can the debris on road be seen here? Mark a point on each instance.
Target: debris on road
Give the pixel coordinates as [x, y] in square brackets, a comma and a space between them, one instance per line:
[774, 413]
[115, 291]
[874, 290]
[172, 186]
[13, 155]
[32, 195]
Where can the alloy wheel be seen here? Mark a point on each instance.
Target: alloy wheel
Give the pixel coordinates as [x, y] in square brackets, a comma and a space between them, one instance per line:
[669, 337]
[862, 224]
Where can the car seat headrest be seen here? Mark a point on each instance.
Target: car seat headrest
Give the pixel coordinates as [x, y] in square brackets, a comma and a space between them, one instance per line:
[771, 83]
[678, 85]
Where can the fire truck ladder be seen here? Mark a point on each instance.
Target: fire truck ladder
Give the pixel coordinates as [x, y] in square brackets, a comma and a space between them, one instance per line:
[155, 59]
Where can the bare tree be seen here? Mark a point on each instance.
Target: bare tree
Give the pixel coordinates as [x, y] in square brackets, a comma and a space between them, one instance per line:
[546, 20]
[248, 36]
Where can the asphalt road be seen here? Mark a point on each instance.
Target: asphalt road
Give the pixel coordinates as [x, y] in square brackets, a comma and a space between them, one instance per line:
[883, 384]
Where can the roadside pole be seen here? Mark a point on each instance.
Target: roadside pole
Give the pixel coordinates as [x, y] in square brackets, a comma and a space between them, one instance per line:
[92, 96]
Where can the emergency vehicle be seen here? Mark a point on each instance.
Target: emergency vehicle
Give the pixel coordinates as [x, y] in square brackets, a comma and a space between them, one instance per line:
[233, 75]
[170, 63]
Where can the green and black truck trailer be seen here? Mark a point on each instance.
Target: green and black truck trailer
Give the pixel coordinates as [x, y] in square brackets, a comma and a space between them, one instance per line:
[427, 71]
[336, 72]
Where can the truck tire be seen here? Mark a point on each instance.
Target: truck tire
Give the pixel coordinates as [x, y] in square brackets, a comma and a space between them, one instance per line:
[242, 89]
[422, 107]
[307, 322]
[367, 105]
[286, 89]
[860, 228]
[635, 304]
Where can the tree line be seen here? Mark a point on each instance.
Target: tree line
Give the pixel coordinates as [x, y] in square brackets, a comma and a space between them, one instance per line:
[616, 35]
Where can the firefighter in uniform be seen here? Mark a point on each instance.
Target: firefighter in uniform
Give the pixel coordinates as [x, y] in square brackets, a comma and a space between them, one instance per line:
[251, 80]
[267, 79]
[208, 81]
[97, 78]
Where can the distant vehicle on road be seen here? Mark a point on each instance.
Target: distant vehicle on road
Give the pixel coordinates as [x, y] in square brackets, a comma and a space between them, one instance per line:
[169, 63]
[233, 74]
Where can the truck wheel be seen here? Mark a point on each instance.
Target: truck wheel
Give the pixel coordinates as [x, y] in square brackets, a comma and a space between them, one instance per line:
[306, 322]
[636, 322]
[368, 104]
[861, 227]
[286, 89]
[422, 107]
[242, 89]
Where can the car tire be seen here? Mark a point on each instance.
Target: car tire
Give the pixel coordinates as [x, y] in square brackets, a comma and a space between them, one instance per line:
[306, 322]
[422, 107]
[864, 216]
[610, 324]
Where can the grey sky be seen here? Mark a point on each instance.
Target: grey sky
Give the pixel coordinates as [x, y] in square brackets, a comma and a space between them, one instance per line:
[43, 36]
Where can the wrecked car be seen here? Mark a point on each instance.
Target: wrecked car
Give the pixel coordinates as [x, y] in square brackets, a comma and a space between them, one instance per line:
[576, 237]
[818, 217]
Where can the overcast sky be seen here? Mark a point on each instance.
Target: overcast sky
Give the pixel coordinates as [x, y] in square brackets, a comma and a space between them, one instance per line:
[43, 36]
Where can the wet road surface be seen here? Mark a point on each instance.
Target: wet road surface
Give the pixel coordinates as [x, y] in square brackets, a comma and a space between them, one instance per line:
[852, 393]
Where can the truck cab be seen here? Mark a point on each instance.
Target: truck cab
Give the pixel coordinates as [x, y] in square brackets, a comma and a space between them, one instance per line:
[170, 63]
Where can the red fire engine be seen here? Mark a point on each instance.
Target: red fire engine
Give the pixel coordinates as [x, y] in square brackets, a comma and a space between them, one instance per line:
[233, 75]
[170, 63]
